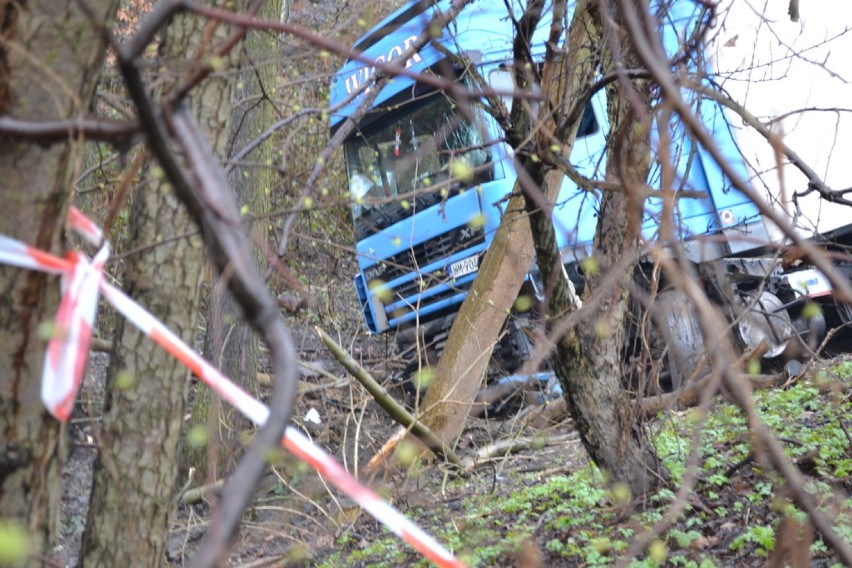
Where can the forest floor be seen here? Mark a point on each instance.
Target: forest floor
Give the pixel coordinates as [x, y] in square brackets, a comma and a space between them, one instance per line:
[541, 505]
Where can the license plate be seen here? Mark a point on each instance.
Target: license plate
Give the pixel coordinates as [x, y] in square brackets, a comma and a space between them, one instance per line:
[810, 282]
[464, 267]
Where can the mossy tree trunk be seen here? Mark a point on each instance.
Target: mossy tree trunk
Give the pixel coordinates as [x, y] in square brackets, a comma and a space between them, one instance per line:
[50, 58]
[136, 475]
[229, 342]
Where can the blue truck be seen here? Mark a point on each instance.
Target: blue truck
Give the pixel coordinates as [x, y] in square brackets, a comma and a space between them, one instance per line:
[429, 179]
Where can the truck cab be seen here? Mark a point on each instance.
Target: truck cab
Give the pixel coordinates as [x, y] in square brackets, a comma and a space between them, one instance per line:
[430, 173]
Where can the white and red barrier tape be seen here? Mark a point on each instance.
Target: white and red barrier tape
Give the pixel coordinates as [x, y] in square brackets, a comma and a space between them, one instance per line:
[68, 349]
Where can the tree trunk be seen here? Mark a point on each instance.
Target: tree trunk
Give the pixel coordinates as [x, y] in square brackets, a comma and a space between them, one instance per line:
[483, 313]
[477, 326]
[589, 357]
[137, 471]
[506, 264]
[229, 342]
[50, 57]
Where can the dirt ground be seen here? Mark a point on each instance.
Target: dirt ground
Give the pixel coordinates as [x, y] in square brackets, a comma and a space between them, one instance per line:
[294, 509]
[296, 520]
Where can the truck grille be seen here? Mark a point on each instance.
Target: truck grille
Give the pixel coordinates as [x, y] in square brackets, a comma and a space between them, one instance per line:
[411, 260]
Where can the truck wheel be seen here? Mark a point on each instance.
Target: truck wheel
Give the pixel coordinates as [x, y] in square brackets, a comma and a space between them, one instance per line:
[683, 342]
[765, 319]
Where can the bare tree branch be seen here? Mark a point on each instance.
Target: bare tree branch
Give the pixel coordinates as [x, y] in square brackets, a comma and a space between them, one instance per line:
[397, 411]
[395, 67]
[815, 182]
[200, 72]
[720, 349]
[249, 148]
[659, 69]
[117, 133]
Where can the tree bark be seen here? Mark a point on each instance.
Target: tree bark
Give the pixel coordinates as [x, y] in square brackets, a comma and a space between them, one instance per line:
[229, 342]
[483, 313]
[476, 328]
[588, 358]
[136, 474]
[50, 58]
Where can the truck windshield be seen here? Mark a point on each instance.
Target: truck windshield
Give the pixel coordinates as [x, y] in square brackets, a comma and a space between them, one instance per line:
[414, 151]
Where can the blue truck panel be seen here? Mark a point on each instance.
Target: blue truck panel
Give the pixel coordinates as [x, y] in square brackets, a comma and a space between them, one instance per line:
[405, 254]
[483, 30]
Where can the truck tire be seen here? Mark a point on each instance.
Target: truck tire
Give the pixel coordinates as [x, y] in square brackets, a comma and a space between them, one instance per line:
[683, 341]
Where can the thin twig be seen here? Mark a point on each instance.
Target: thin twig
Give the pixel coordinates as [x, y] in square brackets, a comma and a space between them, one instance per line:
[251, 146]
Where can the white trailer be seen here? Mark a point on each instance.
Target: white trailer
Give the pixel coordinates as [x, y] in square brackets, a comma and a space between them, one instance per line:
[795, 72]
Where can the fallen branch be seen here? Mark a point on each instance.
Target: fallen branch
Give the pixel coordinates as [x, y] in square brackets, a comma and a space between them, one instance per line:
[502, 448]
[102, 345]
[260, 563]
[688, 395]
[548, 414]
[386, 450]
[397, 411]
[196, 494]
[304, 387]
